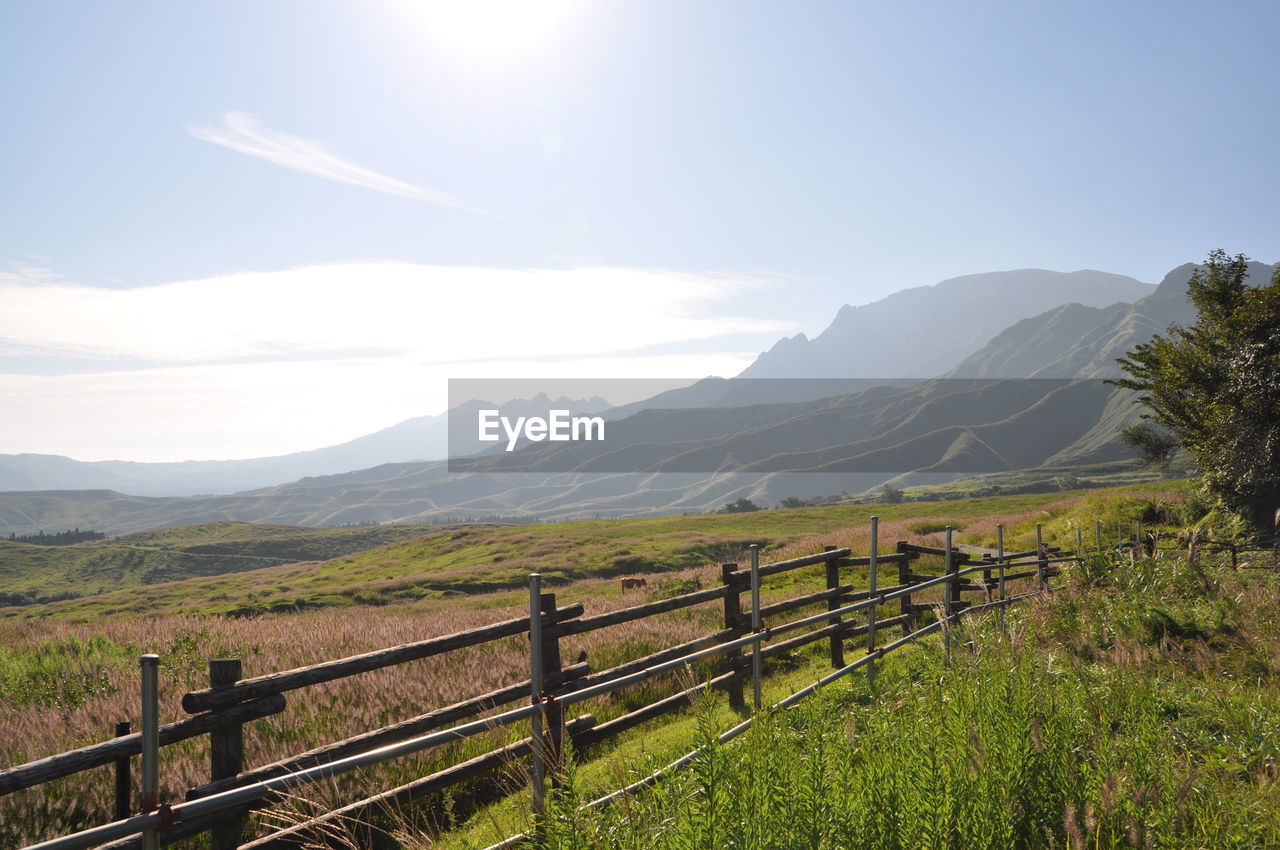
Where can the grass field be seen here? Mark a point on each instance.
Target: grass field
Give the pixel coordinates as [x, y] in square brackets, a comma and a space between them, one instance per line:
[1138, 707]
[68, 670]
[465, 561]
[30, 573]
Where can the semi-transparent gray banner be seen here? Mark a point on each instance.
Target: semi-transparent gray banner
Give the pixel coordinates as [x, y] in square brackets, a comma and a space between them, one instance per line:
[960, 425]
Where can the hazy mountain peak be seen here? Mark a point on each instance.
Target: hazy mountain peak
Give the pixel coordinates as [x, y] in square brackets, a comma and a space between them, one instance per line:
[926, 330]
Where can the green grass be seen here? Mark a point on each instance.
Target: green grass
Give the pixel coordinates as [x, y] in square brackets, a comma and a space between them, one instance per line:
[30, 573]
[222, 568]
[485, 559]
[1138, 707]
[1198, 643]
[1047, 479]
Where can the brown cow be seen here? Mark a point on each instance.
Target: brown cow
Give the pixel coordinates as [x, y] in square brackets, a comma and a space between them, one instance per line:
[633, 583]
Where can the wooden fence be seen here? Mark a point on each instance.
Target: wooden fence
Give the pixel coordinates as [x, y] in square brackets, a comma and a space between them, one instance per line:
[221, 806]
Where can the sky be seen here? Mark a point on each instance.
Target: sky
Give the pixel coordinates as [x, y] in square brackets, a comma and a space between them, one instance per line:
[235, 229]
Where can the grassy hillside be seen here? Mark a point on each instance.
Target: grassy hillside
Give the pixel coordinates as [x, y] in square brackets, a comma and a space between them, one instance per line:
[30, 573]
[68, 670]
[1137, 707]
[455, 560]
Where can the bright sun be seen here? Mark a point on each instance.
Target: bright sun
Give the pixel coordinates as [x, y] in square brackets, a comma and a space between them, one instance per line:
[491, 27]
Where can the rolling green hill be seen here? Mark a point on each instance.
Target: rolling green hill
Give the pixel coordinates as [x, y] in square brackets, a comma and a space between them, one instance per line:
[486, 558]
[30, 573]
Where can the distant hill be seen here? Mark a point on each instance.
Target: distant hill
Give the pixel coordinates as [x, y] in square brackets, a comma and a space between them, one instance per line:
[1079, 341]
[420, 438]
[927, 433]
[925, 331]
[31, 573]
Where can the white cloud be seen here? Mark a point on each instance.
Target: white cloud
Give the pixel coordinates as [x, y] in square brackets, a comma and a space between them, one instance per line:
[444, 314]
[263, 363]
[253, 410]
[242, 132]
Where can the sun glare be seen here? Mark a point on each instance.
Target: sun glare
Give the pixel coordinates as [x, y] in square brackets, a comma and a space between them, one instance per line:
[491, 27]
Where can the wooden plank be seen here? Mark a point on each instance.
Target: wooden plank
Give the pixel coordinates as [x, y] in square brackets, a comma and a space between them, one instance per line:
[632, 719]
[95, 755]
[629, 667]
[375, 738]
[636, 612]
[398, 798]
[843, 629]
[865, 560]
[301, 677]
[958, 556]
[840, 592]
[795, 563]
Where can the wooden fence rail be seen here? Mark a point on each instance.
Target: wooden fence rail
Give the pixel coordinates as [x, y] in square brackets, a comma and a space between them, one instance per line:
[230, 701]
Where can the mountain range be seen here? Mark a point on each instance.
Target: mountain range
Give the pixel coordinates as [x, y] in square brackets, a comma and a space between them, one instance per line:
[926, 330]
[765, 438]
[419, 438]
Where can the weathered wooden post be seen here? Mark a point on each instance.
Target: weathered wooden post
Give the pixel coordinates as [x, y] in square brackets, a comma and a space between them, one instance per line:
[538, 749]
[1000, 561]
[733, 620]
[124, 782]
[226, 755]
[871, 588]
[552, 710]
[150, 665]
[904, 601]
[833, 581]
[756, 627]
[1042, 564]
[951, 592]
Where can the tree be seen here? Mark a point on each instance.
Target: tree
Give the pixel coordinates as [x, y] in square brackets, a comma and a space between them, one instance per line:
[891, 495]
[1214, 387]
[1155, 446]
[740, 506]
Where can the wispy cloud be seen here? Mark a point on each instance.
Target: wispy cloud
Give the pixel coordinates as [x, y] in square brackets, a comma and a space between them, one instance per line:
[243, 132]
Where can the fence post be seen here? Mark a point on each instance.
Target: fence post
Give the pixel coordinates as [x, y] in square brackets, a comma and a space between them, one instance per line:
[1000, 560]
[732, 620]
[1097, 533]
[833, 581]
[124, 782]
[949, 589]
[755, 626]
[150, 666]
[226, 755]
[904, 601]
[538, 746]
[1043, 563]
[871, 610]
[552, 710]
